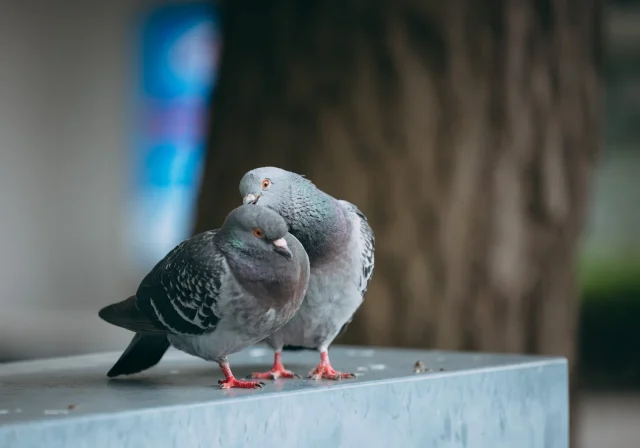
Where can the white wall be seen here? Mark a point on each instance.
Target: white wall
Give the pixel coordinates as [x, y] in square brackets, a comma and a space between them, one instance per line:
[66, 85]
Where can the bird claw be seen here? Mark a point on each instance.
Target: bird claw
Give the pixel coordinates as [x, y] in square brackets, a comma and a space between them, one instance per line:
[274, 375]
[233, 383]
[328, 373]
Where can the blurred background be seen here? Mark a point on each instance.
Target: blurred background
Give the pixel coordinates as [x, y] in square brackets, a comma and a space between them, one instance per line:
[104, 130]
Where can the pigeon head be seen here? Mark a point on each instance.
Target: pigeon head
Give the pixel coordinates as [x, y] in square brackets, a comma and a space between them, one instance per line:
[269, 186]
[313, 216]
[255, 228]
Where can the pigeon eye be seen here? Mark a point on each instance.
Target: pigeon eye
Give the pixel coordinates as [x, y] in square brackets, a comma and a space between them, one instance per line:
[258, 233]
[266, 183]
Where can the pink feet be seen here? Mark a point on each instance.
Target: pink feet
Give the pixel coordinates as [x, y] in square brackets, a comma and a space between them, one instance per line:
[277, 371]
[230, 382]
[322, 371]
[325, 371]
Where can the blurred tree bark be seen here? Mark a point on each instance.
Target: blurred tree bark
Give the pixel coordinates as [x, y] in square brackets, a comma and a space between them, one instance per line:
[466, 130]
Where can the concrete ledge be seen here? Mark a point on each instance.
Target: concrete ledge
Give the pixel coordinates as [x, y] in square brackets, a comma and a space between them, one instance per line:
[487, 401]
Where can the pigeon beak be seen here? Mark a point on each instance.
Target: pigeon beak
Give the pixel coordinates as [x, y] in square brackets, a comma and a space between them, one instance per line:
[250, 199]
[281, 247]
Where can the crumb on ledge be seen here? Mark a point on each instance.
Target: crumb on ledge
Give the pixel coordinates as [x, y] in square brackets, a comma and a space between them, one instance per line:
[419, 367]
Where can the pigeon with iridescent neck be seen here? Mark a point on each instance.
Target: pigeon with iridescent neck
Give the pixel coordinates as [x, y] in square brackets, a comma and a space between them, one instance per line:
[340, 245]
[215, 294]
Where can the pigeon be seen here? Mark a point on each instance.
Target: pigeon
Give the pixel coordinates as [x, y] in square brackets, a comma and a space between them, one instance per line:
[215, 294]
[340, 245]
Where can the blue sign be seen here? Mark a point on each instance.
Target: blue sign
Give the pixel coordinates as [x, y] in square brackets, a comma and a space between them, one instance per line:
[179, 56]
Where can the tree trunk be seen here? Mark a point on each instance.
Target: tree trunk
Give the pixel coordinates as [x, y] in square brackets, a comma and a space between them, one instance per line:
[466, 130]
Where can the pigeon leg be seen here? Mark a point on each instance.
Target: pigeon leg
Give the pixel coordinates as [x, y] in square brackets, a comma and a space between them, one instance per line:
[230, 382]
[325, 371]
[277, 371]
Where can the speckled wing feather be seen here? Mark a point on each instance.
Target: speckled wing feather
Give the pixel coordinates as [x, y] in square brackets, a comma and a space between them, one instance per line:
[181, 292]
[366, 245]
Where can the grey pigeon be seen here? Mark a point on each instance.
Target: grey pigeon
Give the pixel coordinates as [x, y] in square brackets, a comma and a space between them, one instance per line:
[215, 294]
[340, 245]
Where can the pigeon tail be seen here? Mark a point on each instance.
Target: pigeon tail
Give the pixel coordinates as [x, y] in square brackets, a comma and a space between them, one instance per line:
[126, 315]
[144, 352]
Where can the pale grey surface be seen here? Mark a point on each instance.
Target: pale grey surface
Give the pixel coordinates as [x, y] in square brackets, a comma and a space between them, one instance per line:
[477, 401]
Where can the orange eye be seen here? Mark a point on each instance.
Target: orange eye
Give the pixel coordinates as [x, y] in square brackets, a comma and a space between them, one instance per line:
[258, 233]
[266, 183]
